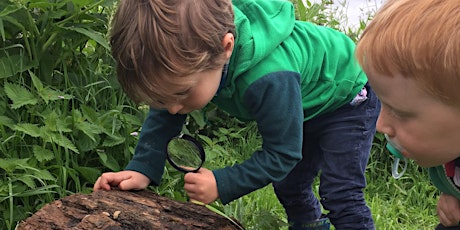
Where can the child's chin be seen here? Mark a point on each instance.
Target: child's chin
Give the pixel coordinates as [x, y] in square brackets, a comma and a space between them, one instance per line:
[427, 164]
[185, 112]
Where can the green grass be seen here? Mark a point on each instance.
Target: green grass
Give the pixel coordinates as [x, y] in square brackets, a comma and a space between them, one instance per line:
[64, 120]
[405, 203]
[408, 202]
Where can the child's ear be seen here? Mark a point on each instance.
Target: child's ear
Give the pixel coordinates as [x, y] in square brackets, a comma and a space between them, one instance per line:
[228, 43]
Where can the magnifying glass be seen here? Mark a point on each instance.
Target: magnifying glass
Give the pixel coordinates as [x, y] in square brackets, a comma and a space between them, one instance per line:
[185, 153]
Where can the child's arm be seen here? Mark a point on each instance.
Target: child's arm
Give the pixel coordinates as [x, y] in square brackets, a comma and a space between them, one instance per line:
[275, 103]
[148, 162]
[150, 153]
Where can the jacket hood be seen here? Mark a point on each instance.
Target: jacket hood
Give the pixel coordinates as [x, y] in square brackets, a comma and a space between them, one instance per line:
[261, 26]
[441, 179]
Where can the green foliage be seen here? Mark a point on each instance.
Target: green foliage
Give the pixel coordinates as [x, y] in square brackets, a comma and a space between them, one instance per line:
[330, 15]
[316, 12]
[64, 120]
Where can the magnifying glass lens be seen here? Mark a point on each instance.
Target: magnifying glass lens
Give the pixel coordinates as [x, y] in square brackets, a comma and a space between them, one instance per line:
[185, 153]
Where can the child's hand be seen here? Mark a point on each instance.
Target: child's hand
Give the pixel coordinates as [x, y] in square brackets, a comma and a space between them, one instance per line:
[201, 186]
[124, 180]
[448, 209]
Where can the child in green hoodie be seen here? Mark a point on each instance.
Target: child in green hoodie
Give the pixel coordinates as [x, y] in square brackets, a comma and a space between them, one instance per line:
[411, 54]
[298, 81]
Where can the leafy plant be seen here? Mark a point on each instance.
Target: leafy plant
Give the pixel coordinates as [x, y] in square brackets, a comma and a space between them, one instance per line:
[64, 117]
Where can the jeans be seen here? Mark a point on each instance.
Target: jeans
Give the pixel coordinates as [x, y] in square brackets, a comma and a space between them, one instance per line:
[336, 146]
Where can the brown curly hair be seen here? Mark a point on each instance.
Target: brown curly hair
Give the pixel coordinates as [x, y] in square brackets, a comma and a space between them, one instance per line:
[155, 41]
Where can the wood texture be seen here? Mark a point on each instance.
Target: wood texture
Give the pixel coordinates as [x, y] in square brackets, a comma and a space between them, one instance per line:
[117, 210]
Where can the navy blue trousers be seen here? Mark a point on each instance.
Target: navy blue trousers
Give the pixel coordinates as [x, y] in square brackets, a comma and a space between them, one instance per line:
[336, 146]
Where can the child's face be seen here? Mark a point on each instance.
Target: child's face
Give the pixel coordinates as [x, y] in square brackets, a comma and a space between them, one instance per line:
[426, 129]
[198, 91]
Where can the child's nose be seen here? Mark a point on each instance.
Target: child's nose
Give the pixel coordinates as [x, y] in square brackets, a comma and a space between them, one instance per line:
[384, 124]
[174, 109]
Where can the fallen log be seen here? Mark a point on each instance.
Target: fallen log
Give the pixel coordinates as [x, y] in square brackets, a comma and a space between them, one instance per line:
[116, 210]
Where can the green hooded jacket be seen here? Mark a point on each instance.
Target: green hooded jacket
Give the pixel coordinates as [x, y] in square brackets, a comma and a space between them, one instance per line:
[282, 72]
[443, 182]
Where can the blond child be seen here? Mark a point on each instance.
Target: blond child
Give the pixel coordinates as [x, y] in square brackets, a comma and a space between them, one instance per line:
[411, 54]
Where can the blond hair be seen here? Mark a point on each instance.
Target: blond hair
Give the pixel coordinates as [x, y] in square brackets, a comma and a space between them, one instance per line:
[155, 41]
[417, 39]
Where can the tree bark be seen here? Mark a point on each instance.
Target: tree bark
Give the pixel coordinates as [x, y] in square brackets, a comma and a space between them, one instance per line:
[116, 210]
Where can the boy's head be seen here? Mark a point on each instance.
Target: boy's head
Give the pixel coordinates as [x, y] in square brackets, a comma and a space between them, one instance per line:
[159, 44]
[417, 39]
[411, 54]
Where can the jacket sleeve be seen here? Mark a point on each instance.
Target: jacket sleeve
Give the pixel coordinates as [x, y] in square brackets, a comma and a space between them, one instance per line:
[275, 101]
[150, 153]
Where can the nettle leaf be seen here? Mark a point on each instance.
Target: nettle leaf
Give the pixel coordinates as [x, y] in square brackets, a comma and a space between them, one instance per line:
[198, 117]
[82, 2]
[77, 117]
[113, 140]
[62, 141]
[57, 13]
[30, 129]
[207, 140]
[6, 121]
[42, 154]
[44, 174]
[19, 95]
[27, 180]
[92, 34]
[54, 122]
[46, 4]
[13, 64]
[108, 3]
[11, 164]
[9, 10]
[46, 93]
[110, 121]
[131, 119]
[85, 143]
[108, 161]
[90, 114]
[89, 173]
[89, 129]
[37, 83]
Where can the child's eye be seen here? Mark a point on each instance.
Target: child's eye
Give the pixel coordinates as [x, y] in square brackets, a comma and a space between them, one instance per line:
[183, 93]
[157, 104]
[400, 114]
[396, 113]
[160, 102]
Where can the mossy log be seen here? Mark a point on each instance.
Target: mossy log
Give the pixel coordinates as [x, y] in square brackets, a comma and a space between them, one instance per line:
[117, 210]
